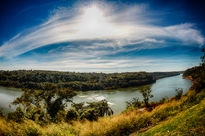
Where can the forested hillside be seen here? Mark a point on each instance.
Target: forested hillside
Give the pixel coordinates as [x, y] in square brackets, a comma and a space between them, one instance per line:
[179, 115]
[36, 79]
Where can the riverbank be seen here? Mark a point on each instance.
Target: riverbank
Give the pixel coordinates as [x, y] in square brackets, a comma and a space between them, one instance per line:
[161, 120]
[162, 88]
[174, 116]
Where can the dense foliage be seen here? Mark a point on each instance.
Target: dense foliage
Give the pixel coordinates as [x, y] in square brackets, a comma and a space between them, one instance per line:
[50, 105]
[179, 115]
[183, 116]
[90, 111]
[37, 79]
[44, 105]
[197, 74]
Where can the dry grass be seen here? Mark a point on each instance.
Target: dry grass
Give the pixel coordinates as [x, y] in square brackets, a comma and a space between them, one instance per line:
[117, 125]
[124, 124]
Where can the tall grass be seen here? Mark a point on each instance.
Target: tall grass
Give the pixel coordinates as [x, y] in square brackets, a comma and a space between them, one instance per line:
[190, 122]
[117, 125]
[30, 128]
[124, 124]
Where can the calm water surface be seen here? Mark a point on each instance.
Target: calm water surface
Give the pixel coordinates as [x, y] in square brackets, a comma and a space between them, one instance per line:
[8, 95]
[164, 87]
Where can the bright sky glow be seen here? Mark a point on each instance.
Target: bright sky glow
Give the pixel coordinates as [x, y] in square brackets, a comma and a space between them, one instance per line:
[93, 18]
[93, 23]
[104, 37]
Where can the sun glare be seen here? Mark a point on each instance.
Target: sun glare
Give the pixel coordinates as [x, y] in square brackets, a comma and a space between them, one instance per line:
[93, 18]
[93, 22]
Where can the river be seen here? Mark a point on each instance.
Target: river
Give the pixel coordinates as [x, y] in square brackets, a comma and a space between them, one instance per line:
[164, 87]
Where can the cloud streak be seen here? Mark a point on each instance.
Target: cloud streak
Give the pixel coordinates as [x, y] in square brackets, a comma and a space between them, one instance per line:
[101, 37]
[122, 28]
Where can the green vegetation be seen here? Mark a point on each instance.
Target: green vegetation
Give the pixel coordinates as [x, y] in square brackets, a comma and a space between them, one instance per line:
[92, 111]
[179, 93]
[180, 115]
[50, 105]
[43, 113]
[37, 79]
[135, 103]
[190, 122]
[146, 93]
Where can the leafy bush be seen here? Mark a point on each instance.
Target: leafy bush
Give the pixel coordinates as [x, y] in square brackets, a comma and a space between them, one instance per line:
[1, 114]
[71, 115]
[45, 105]
[61, 116]
[134, 103]
[32, 131]
[92, 111]
[16, 116]
[163, 100]
[179, 93]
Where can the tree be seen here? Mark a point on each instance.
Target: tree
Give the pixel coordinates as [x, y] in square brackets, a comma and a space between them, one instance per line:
[50, 99]
[91, 111]
[146, 93]
[101, 107]
[179, 93]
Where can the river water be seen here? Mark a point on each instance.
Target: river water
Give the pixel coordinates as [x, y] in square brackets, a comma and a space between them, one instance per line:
[164, 87]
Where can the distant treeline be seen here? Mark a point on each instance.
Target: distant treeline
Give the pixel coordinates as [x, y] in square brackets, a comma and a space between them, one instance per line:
[38, 79]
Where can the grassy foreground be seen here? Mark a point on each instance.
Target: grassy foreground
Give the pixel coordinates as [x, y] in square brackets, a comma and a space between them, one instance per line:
[174, 117]
[189, 122]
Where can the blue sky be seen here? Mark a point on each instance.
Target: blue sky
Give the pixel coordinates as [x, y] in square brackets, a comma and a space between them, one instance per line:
[101, 36]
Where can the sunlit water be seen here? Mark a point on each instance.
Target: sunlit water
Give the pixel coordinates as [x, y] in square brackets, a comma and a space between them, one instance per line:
[7, 95]
[164, 87]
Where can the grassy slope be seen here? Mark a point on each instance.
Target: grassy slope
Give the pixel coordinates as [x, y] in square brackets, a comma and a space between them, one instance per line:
[172, 116]
[124, 124]
[188, 122]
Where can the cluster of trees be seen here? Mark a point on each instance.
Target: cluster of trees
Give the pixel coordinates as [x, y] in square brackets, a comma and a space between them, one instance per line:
[90, 111]
[38, 79]
[50, 105]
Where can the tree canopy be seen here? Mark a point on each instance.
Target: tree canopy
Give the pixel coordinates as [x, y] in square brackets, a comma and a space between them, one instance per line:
[38, 79]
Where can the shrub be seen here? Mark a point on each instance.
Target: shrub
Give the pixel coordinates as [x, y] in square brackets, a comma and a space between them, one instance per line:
[92, 111]
[1, 114]
[134, 103]
[16, 116]
[32, 131]
[61, 115]
[38, 115]
[71, 115]
[179, 93]
[163, 100]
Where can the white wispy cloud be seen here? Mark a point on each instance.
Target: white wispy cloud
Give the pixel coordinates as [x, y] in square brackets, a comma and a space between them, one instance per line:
[128, 26]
